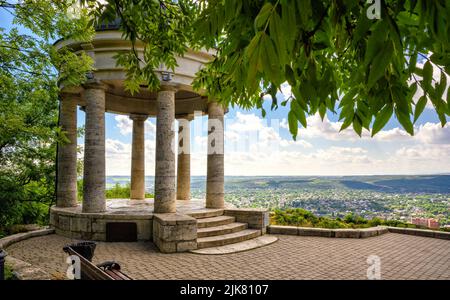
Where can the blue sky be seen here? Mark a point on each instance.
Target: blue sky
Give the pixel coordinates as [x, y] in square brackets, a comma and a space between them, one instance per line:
[263, 146]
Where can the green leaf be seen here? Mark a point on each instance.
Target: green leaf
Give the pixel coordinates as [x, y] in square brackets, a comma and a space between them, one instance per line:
[382, 118]
[289, 21]
[305, 10]
[298, 112]
[269, 60]
[427, 74]
[420, 106]
[376, 41]
[348, 121]
[379, 64]
[254, 62]
[348, 98]
[405, 121]
[448, 101]
[278, 37]
[293, 126]
[357, 126]
[440, 87]
[289, 73]
[263, 16]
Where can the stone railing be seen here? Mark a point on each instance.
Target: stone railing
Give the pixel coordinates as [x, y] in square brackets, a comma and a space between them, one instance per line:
[355, 233]
[256, 218]
[421, 232]
[326, 232]
[23, 270]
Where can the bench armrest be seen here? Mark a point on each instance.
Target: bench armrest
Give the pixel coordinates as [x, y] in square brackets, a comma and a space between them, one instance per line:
[109, 265]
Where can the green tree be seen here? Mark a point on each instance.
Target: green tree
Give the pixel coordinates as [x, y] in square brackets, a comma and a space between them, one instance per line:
[29, 129]
[327, 50]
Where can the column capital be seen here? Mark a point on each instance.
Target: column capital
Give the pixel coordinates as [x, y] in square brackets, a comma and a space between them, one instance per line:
[69, 98]
[188, 117]
[73, 90]
[138, 117]
[95, 84]
[168, 87]
[215, 108]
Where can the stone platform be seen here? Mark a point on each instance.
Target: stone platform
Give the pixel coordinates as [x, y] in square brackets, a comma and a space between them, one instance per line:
[171, 232]
[73, 223]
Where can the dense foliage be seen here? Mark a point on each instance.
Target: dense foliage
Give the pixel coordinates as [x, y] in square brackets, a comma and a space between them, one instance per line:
[29, 129]
[303, 218]
[118, 191]
[362, 53]
[121, 192]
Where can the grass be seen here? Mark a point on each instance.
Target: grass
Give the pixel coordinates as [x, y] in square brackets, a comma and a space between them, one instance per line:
[9, 273]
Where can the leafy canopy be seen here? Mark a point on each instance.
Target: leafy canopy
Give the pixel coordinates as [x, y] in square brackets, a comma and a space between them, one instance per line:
[328, 51]
[29, 129]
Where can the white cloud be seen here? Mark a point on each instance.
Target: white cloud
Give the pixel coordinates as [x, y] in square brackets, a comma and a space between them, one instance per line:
[394, 134]
[286, 90]
[328, 130]
[248, 132]
[125, 125]
[433, 133]
[320, 149]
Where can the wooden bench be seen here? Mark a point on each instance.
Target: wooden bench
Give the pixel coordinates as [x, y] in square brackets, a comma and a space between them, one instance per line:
[108, 270]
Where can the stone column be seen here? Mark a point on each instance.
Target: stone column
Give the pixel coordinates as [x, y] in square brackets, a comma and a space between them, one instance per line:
[184, 158]
[94, 149]
[165, 192]
[66, 193]
[215, 162]
[138, 158]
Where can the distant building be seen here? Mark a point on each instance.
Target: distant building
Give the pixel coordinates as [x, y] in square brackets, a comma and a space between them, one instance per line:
[426, 222]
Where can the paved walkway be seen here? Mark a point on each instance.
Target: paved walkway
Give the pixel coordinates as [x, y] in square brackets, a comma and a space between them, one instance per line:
[292, 257]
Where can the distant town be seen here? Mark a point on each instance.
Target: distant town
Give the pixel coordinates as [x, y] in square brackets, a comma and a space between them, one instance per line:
[421, 200]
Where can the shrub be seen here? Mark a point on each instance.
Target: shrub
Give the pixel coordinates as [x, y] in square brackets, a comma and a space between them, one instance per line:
[304, 218]
[116, 192]
[119, 191]
[9, 275]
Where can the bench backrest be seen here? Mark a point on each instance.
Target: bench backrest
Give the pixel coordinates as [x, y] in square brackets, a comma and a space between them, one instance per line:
[89, 270]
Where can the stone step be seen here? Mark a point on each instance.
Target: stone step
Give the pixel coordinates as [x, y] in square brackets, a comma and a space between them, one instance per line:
[221, 230]
[214, 221]
[257, 242]
[226, 239]
[205, 213]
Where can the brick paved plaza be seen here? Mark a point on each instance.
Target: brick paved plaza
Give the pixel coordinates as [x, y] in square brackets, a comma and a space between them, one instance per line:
[292, 257]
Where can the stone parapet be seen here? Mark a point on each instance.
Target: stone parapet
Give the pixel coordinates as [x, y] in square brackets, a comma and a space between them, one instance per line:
[93, 226]
[421, 232]
[326, 232]
[11, 239]
[173, 232]
[256, 218]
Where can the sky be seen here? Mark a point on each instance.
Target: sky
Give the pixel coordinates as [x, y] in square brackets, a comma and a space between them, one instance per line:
[263, 146]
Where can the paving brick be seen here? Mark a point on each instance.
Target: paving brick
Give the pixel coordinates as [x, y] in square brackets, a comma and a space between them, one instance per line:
[291, 257]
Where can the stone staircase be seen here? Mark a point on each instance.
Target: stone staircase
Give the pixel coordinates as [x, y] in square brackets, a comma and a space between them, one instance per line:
[215, 229]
